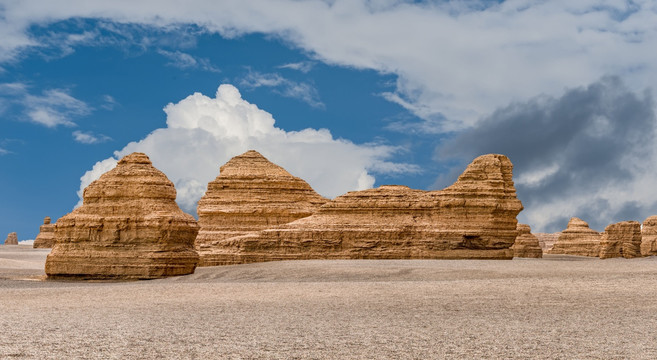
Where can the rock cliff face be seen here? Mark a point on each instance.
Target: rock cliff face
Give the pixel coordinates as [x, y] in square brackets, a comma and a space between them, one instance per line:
[12, 239]
[129, 227]
[621, 239]
[250, 194]
[475, 218]
[577, 239]
[649, 237]
[547, 240]
[526, 244]
[46, 237]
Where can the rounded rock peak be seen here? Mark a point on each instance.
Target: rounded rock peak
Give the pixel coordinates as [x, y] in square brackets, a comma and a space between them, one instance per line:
[46, 220]
[576, 222]
[523, 229]
[651, 221]
[135, 158]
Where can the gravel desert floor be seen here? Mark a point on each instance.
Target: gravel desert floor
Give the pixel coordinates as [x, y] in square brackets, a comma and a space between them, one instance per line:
[558, 307]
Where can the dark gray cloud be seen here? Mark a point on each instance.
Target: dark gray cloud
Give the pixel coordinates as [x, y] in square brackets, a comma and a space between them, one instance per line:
[586, 142]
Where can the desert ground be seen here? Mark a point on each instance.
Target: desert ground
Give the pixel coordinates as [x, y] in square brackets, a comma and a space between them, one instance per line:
[558, 307]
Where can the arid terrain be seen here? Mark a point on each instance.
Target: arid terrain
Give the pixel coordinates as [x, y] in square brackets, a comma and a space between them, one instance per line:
[556, 307]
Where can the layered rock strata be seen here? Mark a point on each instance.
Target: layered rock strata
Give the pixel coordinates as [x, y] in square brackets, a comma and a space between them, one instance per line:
[547, 240]
[12, 239]
[46, 237]
[577, 239]
[475, 218]
[526, 244]
[621, 239]
[250, 194]
[129, 227]
[649, 236]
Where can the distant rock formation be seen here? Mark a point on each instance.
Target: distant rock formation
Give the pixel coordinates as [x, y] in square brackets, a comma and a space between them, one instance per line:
[547, 240]
[250, 194]
[475, 218]
[578, 239]
[129, 227]
[12, 239]
[621, 239]
[526, 244]
[649, 236]
[46, 237]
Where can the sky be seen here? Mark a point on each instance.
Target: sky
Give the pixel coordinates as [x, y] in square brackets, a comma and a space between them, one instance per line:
[345, 94]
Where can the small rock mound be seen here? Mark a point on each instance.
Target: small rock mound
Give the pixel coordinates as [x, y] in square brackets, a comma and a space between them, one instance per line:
[621, 239]
[129, 227]
[578, 239]
[526, 244]
[12, 239]
[46, 237]
[250, 194]
[547, 240]
[649, 236]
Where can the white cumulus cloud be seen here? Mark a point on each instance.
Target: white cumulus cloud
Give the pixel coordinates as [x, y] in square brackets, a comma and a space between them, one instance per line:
[203, 133]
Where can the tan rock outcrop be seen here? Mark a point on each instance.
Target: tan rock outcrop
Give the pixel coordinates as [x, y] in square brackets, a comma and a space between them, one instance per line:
[621, 239]
[46, 237]
[526, 244]
[547, 240]
[12, 239]
[250, 194]
[129, 227]
[649, 236]
[578, 239]
[475, 218]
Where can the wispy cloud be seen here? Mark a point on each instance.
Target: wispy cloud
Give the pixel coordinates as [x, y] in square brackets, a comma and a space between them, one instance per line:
[89, 137]
[109, 103]
[3, 151]
[186, 61]
[303, 66]
[284, 87]
[51, 108]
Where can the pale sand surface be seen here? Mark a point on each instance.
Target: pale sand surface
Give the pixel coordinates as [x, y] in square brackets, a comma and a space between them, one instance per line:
[559, 307]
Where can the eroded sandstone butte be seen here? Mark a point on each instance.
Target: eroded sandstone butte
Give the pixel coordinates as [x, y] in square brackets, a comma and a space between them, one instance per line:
[12, 239]
[250, 194]
[547, 240]
[475, 218]
[577, 239]
[129, 227]
[46, 237]
[526, 244]
[621, 239]
[649, 236]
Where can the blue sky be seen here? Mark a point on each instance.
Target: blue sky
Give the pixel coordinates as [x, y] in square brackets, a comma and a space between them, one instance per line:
[344, 94]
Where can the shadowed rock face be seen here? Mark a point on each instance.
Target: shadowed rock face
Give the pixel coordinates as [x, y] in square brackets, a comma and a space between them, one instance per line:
[621, 239]
[578, 239]
[12, 239]
[526, 244]
[129, 227]
[46, 237]
[250, 194]
[475, 218]
[649, 236]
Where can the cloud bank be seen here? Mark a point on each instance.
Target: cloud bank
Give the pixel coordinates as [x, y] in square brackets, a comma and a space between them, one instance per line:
[457, 62]
[589, 153]
[203, 133]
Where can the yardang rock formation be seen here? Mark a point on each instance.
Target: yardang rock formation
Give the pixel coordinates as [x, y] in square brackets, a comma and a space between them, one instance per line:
[649, 236]
[12, 239]
[526, 244]
[46, 237]
[578, 239]
[250, 194]
[621, 239]
[129, 227]
[475, 218]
